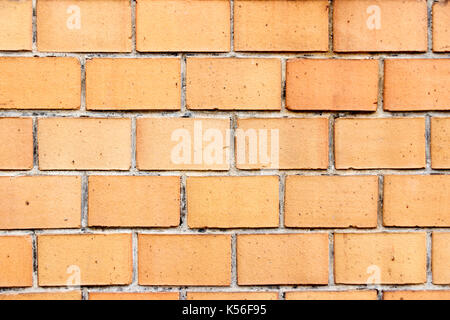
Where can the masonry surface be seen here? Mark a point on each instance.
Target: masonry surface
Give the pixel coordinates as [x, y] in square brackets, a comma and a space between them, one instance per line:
[217, 149]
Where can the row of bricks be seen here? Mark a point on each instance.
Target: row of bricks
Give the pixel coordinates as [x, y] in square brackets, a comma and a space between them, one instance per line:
[206, 260]
[220, 295]
[201, 26]
[225, 202]
[205, 144]
[224, 84]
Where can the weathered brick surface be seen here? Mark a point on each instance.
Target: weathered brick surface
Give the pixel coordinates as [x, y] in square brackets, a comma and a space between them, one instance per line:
[440, 143]
[441, 257]
[16, 143]
[232, 295]
[66, 295]
[16, 29]
[332, 295]
[16, 261]
[133, 296]
[441, 26]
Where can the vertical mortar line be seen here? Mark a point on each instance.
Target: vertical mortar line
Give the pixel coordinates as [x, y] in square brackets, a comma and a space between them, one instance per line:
[133, 26]
[430, 25]
[183, 204]
[133, 145]
[380, 202]
[330, 26]
[331, 259]
[380, 107]
[84, 201]
[135, 258]
[83, 83]
[331, 155]
[34, 27]
[233, 128]
[232, 26]
[183, 294]
[183, 83]
[429, 257]
[283, 85]
[282, 196]
[35, 145]
[234, 283]
[35, 260]
[428, 143]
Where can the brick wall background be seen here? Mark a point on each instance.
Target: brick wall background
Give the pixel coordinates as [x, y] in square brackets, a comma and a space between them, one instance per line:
[94, 206]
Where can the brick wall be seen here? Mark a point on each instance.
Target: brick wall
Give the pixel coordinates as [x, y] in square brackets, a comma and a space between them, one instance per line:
[215, 149]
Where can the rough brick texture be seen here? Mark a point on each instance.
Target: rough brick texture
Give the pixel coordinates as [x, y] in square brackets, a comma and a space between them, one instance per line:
[441, 26]
[16, 261]
[16, 29]
[16, 143]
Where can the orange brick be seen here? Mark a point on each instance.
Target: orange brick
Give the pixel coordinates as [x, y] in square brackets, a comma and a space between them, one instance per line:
[275, 259]
[380, 258]
[232, 295]
[329, 84]
[133, 296]
[332, 295]
[182, 144]
[40, 83]
[273, 25]
[133, 84]
[441, 257]
[380, 143]
[16, 30]
[188, 260]
[92, 259]
[69, 295]
[331, 202]
[269, 144]
[440, 143]
[16, 261]
[233, 84]
[149, 201]
[16, 143]
[380, 25]
[411, 201]
[416, 84]
[441, 26]
[417, 295]
[83, 144]
[178, 25]
[84, 25]
[40, 202]
[233, 202]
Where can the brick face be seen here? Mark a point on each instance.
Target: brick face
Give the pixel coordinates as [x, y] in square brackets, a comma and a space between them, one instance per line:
[332, 295]
[271, 25]
[69, 295]
[16, 261]
[282, 259]
[230, 83]
[440, 143]
[380, 143]
[16, 143]
[178, 25]
[50, 83]
[133, 296]
[416, 84]
[133, 84]
[323, 84]
[232, 296]
[380, 25]
[16, 30]
[441, 26]
[440, 257]
[80, 25]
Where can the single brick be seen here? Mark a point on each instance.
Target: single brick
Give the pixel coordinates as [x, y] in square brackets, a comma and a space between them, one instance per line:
[83, 144]
[273, 25]
[441, 26]
[440, 260]
[333, 295]
[331, 201]
[417, 295]
[440, 143]
[330, 84]
[148, 202]
[16, 261]
[277, 259]
[233, 202]
[16, 143]
[185, 260]
[40, 202]
[233, 84]
[267, 295]
[40, 83]
[16, 30]
[178, 25]
[380, 25]
[84, 25]
[133, 84]
[84, 259]
[182, 144]
[270, 143]
[397, 143]
[416, 84]
[380, 258]
[133, 296]
[66, 295]
[411, 201]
